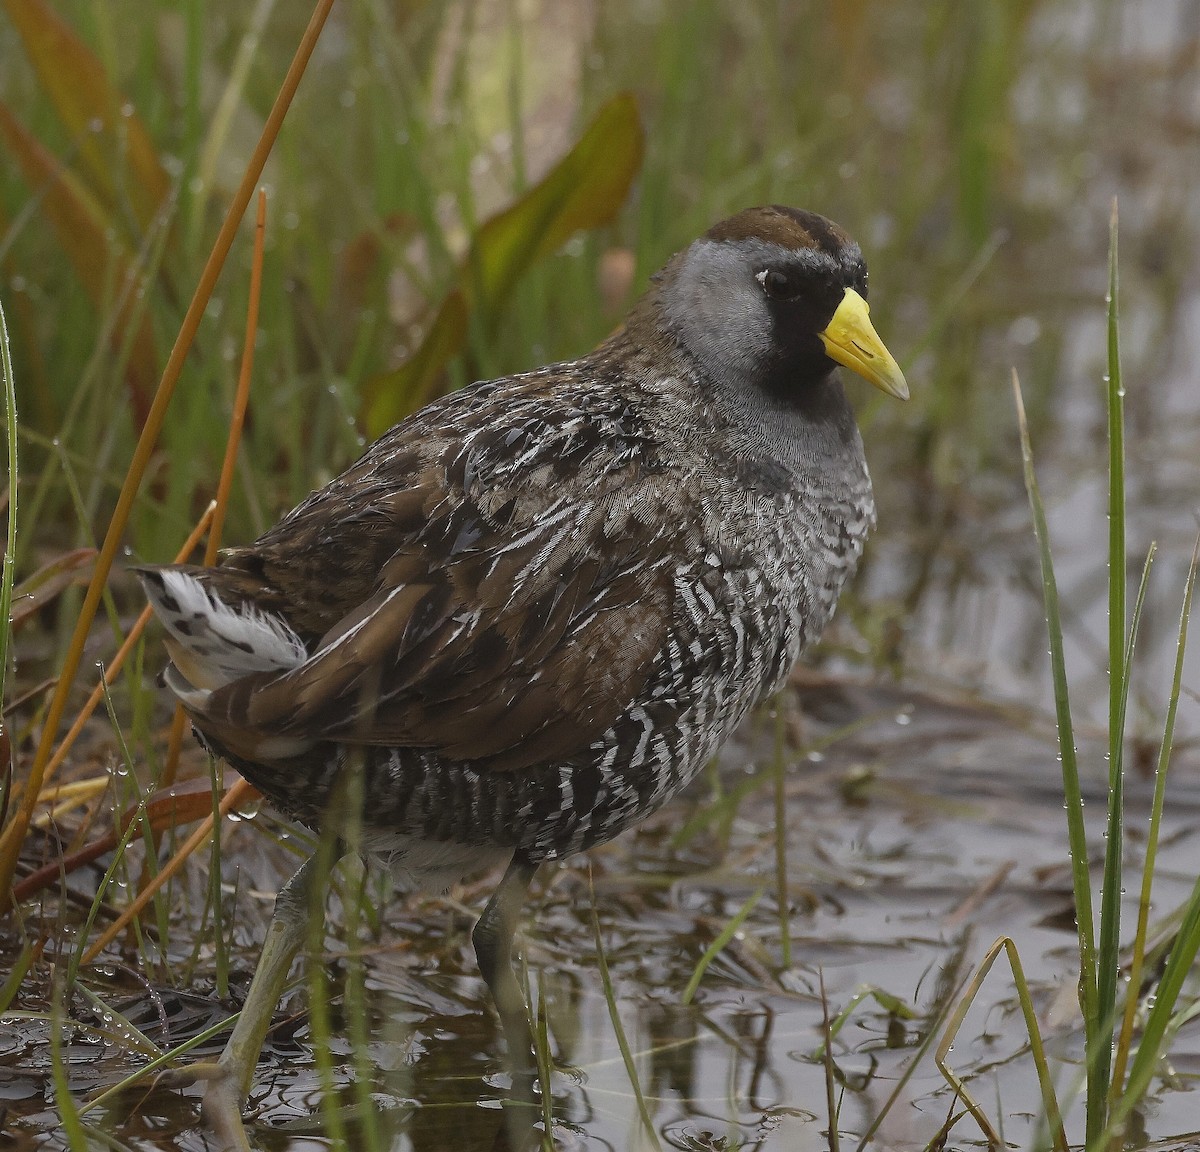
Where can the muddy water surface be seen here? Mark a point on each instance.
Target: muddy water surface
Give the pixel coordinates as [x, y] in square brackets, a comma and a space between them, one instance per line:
[912, 845]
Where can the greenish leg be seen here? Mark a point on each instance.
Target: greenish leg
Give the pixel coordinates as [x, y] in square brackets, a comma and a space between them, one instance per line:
[493, 940]
[227, 1092]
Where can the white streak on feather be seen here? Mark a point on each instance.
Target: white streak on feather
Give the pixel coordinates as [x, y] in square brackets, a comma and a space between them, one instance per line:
[220, 642]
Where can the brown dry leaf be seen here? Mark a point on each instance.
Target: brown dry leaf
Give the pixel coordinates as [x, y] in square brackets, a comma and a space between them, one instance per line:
[184, 804]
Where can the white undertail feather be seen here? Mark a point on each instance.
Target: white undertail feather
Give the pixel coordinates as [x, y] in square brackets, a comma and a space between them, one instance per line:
[212, 643]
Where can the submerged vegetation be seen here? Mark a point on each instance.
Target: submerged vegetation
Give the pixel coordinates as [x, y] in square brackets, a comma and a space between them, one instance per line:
[467, 189]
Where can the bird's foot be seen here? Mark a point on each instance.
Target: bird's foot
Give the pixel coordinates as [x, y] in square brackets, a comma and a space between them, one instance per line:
[190, 1074]
[222, 1103]
[222, 1107]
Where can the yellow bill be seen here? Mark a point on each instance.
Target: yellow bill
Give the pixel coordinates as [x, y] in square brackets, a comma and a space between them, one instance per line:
[850, 339]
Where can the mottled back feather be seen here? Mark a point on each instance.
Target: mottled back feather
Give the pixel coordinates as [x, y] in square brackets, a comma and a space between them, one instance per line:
[467, 606]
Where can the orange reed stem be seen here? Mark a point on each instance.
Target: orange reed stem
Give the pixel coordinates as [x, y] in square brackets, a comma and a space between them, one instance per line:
[13, 835]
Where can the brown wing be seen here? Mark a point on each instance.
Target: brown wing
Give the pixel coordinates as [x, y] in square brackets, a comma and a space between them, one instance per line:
[508, 625]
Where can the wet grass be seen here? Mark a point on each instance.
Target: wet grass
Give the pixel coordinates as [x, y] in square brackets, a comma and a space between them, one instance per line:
[411, 133]
[649, 1132]
[1109, 1099]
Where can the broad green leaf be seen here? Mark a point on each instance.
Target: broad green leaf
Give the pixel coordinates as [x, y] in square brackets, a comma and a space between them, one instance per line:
[102, 263]
[115, 146]
[416, 380]
[584, 190]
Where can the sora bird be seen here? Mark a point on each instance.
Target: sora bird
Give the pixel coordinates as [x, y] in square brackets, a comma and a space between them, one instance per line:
[532, 611]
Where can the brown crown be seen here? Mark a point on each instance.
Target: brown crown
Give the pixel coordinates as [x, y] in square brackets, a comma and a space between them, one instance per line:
[778, 224]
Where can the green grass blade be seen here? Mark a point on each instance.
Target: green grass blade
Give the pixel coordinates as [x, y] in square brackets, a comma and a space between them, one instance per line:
[133, 828]
[68, 1110]
[10, 552]
[1108, 958]
[216, 893]
[114, 1025]
[1183, 952]
[221, 120]
[1051, 1113]
[899, 1089]
[21, 964]
[888, 1001]
[358, 1014]
[781, 824]
[320, 1013]
[618, 1028]
[1121, 1050]
[1135, 620]
[1160, 1019]
[541, 1054]
[158, 1064]
[1072, 793]
[713, 950]
[832, 1111]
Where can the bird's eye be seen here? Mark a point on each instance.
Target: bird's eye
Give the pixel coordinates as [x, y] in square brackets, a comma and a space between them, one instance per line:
[779, 285]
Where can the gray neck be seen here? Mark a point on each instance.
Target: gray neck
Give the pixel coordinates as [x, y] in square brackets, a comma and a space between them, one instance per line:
[811, 439]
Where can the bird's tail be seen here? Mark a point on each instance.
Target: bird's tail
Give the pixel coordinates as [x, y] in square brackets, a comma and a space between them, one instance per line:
[211, 642]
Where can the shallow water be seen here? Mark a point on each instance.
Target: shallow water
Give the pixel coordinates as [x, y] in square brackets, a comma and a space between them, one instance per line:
[912, 845]
[1107, 110]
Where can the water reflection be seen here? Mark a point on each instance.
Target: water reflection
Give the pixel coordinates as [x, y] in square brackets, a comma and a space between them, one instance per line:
[904, 880]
